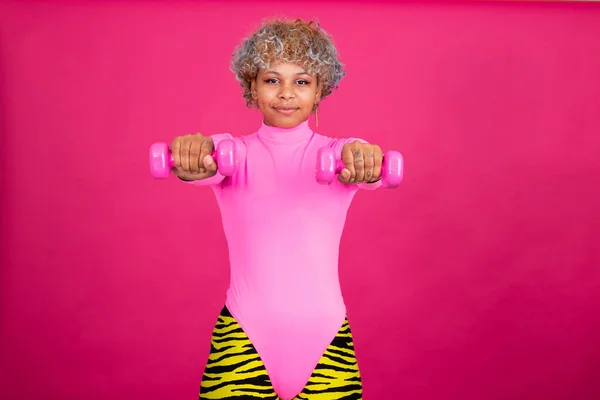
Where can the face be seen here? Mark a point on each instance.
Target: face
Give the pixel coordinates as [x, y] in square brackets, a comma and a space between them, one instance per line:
[285, 94]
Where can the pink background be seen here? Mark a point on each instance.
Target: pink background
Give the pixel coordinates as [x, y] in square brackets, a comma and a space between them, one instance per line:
[478, 278]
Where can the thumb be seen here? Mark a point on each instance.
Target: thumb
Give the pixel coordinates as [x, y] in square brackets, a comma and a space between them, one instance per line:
[209, 164]
[344, 175]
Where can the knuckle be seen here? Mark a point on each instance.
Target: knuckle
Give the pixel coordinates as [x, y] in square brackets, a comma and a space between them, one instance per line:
[206, 147]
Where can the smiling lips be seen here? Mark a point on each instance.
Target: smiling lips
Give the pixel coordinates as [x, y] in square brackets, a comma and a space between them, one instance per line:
[285, 110]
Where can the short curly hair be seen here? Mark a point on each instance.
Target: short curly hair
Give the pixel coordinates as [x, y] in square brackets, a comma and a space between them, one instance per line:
[293, 41]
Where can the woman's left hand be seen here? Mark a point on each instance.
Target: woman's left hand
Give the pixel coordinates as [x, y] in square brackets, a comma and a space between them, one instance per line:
[363, 163]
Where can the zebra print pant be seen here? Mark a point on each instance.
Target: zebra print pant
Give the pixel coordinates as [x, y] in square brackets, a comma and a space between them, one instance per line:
[235, 371]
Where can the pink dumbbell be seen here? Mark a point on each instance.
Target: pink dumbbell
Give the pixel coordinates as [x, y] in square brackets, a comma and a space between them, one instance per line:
[328, 167]
[161, 159]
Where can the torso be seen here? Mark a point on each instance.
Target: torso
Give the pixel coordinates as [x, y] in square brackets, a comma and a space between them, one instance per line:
[283, 231]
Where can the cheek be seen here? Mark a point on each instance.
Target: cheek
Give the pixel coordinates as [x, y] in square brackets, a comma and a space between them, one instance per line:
[261, 101]
[265, 97]
[308, 101]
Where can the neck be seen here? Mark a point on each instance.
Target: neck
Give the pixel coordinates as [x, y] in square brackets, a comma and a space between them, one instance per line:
[298, 133]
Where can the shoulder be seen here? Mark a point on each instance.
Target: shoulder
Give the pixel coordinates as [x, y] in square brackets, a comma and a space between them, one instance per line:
[335, 143]
[241, 141]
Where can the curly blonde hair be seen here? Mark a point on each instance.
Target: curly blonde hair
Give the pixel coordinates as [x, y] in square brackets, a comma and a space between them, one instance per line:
[298, 42]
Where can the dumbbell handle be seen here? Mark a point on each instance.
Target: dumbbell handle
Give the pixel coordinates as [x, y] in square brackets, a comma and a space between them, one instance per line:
[172, 158]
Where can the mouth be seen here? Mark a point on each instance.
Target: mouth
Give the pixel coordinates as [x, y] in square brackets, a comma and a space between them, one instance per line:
[286, 110]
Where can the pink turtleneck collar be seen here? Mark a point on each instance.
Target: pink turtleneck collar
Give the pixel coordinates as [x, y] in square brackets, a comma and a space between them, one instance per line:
[299, 133]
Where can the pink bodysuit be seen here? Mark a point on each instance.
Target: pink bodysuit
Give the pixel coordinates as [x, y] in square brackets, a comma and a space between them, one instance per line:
[283, 230]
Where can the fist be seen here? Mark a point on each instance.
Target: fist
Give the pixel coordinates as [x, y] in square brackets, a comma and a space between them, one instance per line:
[362, 163]
[193, 157]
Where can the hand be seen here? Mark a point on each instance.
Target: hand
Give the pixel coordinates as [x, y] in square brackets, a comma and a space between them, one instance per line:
[193, 157]
[363, 163]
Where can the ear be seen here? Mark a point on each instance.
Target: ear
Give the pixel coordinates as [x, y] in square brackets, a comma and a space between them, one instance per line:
[253, 88]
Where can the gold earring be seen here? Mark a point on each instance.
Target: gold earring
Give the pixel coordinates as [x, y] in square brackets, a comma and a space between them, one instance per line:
[317, 117]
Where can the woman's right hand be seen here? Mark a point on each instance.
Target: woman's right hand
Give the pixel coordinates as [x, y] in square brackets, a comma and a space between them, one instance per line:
[193, 157]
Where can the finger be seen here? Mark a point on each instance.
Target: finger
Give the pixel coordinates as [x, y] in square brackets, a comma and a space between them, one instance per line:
[348, 173]
[195, 159]
[175, 149]
[359, 163]
[369, 162]
[378, 164]
[184, 153]
[208, 162]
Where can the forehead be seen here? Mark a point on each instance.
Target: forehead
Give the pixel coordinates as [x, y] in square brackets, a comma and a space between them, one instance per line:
[285, 68]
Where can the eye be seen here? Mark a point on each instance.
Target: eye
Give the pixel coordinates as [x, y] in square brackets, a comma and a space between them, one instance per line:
[270, 80]
[303, 82]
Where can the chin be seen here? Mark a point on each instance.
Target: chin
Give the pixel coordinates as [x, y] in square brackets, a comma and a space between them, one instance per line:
[288, 124]
[284, 122]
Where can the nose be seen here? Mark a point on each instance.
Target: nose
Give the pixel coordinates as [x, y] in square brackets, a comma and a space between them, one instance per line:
[286, 92]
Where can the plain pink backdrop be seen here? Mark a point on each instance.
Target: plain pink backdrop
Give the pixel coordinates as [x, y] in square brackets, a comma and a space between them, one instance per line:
[478, 278]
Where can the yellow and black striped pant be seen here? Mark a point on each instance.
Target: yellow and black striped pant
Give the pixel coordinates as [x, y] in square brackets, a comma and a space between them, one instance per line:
[235, 371]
